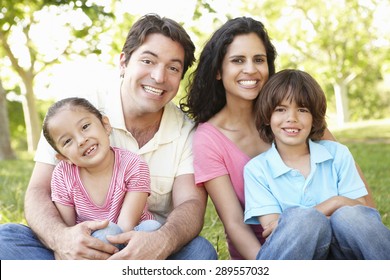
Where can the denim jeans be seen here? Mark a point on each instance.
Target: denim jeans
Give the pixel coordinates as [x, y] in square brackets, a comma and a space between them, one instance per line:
[18, 242]
[352, 232]
[114, 229]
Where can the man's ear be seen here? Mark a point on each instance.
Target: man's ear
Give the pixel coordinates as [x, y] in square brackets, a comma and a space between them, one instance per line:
[106, 124]
[61, 157]
[122, 64]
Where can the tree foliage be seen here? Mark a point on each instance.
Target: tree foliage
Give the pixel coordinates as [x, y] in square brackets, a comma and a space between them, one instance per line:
[337, 42]
[28, 52]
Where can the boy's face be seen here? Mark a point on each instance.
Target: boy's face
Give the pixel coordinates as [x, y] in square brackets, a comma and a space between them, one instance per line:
[80, 137]
[291, 124]
[152, 76]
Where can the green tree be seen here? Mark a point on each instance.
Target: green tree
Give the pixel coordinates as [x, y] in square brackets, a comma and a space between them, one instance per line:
[337, 42]
[6, 151]
[26, 47]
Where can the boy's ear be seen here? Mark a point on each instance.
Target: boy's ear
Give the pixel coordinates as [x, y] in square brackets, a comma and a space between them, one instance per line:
[106, 124]
[61, 157]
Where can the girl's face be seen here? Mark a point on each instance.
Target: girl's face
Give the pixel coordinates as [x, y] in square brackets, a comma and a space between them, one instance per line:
[291, 124]
[244, 68]
[80, 136]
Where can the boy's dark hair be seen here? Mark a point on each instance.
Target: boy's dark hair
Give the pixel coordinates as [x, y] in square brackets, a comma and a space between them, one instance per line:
[73, 103]
[293, 85]
[151, 24]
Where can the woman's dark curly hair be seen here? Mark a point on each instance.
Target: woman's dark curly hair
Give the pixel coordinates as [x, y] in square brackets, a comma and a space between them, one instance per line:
[206, 94]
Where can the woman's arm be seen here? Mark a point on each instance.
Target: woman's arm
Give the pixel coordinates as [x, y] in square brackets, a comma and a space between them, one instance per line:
[231, 214]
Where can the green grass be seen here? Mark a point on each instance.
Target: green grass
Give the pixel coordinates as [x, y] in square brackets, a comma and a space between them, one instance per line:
[368, 142]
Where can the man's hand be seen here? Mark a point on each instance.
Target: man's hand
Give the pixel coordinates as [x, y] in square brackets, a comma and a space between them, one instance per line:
[140, 245]
[76, 243]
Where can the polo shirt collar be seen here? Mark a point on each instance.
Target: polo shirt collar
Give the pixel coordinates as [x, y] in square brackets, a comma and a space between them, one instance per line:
[318, 154]
[170, 125]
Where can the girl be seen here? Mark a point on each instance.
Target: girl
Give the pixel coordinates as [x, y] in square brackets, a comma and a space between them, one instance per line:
[94, 181]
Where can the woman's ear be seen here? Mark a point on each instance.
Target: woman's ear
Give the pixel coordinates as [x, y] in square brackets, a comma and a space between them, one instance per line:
[106, 124]
[219, 77]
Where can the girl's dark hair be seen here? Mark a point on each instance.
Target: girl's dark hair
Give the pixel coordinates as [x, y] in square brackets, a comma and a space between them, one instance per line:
[206, 95]
[153, 23]
[293, 85]
[72, 103]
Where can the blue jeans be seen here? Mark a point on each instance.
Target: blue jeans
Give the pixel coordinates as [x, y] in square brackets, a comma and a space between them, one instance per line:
[18, 242]
[114, 229]
[352, 232]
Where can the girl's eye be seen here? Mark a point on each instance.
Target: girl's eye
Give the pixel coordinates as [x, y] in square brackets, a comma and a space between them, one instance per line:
[66, 142]
[85, 126]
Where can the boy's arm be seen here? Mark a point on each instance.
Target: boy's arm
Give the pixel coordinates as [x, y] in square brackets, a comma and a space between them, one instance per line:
[369, 201]
[330, 205]
[269, 223]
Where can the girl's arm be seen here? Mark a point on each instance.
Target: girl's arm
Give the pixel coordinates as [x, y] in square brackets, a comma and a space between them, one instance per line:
[68, 214]
[231, 214]
[131, 211]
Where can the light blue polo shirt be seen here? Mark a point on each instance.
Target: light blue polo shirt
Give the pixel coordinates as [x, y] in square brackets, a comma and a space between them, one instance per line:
[271, 186]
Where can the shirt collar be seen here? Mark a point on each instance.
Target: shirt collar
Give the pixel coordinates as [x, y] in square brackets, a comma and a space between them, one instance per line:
[170, 125]
[318, 154]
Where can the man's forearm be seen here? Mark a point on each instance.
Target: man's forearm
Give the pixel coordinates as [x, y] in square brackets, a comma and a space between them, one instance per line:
[183, 224]
[42, 216]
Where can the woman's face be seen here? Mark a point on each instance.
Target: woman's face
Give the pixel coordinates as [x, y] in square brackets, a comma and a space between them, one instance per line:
[244, 68]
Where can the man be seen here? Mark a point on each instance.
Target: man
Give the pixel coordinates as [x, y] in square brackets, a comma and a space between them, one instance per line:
[154, 59]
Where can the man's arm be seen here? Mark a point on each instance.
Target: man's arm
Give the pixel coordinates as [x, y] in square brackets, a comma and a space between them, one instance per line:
[183, 224]
[45, 220]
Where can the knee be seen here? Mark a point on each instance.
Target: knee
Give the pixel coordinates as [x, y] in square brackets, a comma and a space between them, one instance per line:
[206, 249]
[350, 217]
[298, 218]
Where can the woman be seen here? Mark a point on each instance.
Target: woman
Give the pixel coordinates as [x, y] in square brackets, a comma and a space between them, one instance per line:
[233, 67]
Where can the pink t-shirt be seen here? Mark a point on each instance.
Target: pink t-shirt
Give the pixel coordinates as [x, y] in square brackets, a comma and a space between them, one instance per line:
[216, 155]
[130, 173]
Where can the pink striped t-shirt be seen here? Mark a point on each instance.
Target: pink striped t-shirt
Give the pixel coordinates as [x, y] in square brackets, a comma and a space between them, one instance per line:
[216, 155]
[130, 173]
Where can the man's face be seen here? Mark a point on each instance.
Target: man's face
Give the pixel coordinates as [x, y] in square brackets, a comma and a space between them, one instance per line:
[152, 76]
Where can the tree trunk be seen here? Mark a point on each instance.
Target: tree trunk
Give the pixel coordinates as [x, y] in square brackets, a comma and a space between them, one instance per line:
[31, 117]
[340, 91]
[6, 151]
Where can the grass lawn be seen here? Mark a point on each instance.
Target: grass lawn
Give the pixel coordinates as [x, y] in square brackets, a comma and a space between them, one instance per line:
[368, 142]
